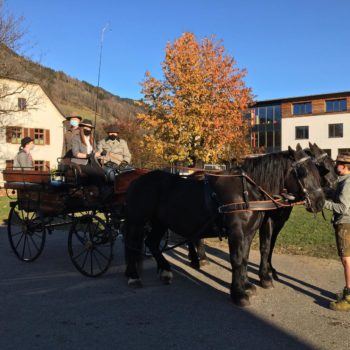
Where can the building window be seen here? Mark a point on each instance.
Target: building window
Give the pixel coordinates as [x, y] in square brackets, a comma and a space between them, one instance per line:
[343, 150]
[335, 130]
[302, 108]
[39, 136]
[22, 104]
[301, 132]
[336, 105]
[14, 134]
[41, 165]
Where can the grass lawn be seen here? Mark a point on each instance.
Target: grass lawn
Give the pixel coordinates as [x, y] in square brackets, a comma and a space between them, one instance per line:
[305, 235]
[4, 209]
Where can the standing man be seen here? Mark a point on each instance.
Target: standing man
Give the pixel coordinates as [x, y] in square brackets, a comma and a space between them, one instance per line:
[340, 204]
[73, 130]
[113, 148]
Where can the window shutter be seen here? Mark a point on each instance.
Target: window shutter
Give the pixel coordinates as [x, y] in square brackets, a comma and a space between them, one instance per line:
[47, 165]
[47, 137]
[31, 133]
[25, 132]
[8, 134]
[9, 164]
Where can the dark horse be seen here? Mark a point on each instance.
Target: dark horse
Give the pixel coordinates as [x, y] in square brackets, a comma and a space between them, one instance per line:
[198, 209]
[275, 220]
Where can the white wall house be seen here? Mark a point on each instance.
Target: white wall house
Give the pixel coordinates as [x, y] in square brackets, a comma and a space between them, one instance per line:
[331, 132]
[29, 112]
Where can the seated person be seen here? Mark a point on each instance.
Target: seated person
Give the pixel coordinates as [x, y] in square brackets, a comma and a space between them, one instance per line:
[83, 147]
[74, 121]
[24, 158]
[114, 150]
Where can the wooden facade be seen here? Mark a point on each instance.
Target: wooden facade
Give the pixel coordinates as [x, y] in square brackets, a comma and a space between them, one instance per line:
[318, 103]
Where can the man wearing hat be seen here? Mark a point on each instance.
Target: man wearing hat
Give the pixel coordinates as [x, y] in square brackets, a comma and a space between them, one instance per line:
[24, 158]
[340, 204]
[113, 148]
[74, 121]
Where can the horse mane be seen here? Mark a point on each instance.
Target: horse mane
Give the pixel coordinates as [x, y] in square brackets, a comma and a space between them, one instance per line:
[268, 171]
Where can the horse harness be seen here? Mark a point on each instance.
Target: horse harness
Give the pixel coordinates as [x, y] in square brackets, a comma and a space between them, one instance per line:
[272, 203]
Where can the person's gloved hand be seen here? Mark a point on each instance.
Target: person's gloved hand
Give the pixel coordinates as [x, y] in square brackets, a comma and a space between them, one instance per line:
[123, 164]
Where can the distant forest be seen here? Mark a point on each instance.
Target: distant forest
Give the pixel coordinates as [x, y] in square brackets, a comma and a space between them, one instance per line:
[72, 95]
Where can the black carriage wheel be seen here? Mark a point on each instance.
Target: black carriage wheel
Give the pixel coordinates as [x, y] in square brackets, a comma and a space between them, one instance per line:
[90, 245]
[26, 233]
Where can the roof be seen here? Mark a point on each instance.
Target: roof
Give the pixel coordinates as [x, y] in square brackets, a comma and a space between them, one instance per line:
[303, 98]
[35, 83]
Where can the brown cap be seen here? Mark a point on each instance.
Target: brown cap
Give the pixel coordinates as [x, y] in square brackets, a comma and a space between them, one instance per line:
[344, 158]
[112, 129]
[74, 116]
[86, 122]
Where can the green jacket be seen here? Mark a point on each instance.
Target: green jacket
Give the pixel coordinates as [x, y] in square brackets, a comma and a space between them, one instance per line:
[340, 203]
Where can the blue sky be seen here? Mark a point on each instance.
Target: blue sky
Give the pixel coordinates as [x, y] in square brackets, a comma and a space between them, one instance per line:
[289, 47]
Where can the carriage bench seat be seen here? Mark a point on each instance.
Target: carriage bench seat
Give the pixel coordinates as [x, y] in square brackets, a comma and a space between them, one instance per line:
[26, 176]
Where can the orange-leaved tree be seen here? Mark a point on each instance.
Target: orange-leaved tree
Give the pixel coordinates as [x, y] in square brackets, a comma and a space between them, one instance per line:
[196, 113]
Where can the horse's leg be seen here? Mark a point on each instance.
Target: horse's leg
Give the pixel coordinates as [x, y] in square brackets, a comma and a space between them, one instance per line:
[203, 259]
[153, 241]
[265, 233]
[196, 254]
[279, 223]
[248, 238]
[193, 256]
[239, 295]
[133, 253]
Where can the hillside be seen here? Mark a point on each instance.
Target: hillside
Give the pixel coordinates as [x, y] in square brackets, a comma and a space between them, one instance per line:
[70, 95]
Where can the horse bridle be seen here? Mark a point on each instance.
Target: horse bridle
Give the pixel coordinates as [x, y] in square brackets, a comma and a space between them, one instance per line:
[295, 165]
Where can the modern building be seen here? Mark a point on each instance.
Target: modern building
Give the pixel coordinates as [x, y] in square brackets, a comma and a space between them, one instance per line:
[323, 119]
[26, 110]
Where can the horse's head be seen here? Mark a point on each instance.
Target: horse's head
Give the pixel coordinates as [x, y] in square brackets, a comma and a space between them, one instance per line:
[304, 180]
[324, 164]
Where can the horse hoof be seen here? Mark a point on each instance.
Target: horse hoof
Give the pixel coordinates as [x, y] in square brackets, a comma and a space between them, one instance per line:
[241, 302]
[251, 289]
[266, 284]
[134, 283]
[204, 262]
[166, 277]
[195, 264]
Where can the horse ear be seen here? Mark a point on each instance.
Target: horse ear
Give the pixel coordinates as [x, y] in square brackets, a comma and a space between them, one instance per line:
[291, 151]
[310, 145]
[298, 149]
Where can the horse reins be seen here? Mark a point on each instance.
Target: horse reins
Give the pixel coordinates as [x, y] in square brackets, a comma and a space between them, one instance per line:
[271, 204]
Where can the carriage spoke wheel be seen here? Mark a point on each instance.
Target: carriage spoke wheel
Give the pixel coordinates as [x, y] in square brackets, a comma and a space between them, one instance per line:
[90, 245]
[26, 233]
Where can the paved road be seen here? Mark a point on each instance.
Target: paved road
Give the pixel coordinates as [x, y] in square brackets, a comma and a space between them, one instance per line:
[48, 305]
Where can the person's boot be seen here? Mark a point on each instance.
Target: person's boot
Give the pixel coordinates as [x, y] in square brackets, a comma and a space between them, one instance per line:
[342, 303]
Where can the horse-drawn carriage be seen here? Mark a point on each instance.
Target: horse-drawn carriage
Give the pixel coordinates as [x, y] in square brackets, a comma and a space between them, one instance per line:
[234, 203]
[43, 201]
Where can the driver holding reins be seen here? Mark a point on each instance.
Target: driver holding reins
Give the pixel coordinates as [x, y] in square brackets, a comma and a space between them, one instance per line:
[113, 149]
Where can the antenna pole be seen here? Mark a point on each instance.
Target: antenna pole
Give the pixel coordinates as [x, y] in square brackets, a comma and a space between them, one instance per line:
[99, 72]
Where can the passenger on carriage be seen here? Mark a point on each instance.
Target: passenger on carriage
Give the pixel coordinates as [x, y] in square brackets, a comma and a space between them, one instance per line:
[114, 150]
[24, 158]
[83, 148]
[74, 121]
